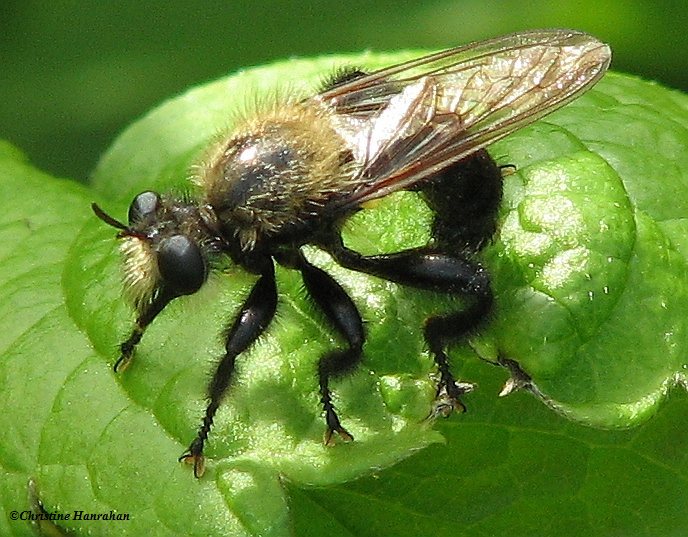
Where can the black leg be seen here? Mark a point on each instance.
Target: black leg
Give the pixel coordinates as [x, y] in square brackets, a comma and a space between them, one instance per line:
[439, 332]
[144, 319]
[342, 313]
[437, 272]
[254, 317]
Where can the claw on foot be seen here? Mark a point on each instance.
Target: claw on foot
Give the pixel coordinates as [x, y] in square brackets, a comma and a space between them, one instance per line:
[519, 379]
[329, 439]
[333, 426]
[194, 456]
[446, 403]
[122, 363]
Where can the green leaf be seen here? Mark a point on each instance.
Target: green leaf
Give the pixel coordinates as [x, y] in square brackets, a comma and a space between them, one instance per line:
[589, 270]
[591, 244]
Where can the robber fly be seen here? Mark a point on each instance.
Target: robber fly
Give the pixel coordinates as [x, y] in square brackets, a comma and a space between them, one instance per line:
[293, 173]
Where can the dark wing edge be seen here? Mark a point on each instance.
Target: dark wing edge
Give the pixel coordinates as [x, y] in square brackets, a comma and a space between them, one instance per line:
[409, 121]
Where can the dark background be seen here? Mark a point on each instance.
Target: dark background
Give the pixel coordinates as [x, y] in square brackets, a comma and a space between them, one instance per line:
[74, 74]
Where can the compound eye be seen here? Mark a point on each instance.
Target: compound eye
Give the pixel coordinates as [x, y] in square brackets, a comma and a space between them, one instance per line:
[143, 205]
[181, 264]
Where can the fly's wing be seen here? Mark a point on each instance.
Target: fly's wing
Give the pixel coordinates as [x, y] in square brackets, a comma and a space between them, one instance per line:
[407, 122]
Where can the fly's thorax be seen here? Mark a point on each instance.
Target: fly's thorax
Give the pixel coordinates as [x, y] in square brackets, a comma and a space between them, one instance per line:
[275, 174]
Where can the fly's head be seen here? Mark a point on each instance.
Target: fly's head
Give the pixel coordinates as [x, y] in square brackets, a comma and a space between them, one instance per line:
[166, 246]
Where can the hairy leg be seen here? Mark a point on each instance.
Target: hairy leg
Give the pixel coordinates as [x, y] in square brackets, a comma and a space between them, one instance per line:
[255, 315]
[437, 272]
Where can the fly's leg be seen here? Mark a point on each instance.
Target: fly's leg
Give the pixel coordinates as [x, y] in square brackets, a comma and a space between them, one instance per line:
[440, 331]
[144, 319]
[255, 315]
[439, 272]
[345, 318]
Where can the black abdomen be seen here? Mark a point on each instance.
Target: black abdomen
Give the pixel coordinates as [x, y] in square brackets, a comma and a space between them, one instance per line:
[465, 198]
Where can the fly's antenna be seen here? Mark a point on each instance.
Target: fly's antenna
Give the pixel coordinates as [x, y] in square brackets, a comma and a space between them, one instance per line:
[107, 218]
[125, 231]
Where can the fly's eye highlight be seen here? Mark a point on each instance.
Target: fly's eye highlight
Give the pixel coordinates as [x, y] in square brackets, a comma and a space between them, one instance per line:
[181, 264]
[143, 205]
